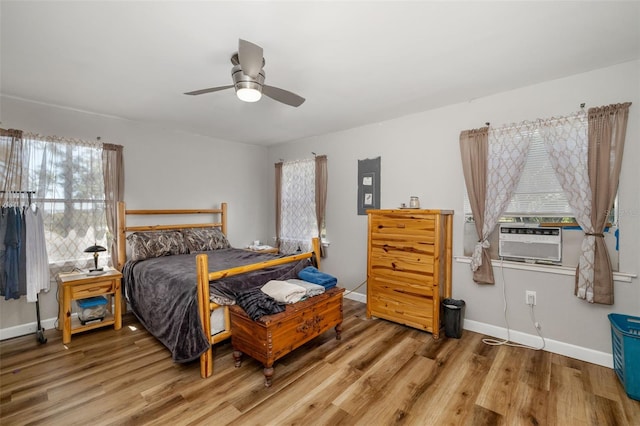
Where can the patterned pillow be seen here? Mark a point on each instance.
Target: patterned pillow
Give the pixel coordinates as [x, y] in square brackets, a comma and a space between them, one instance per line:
[204, 239]
[145, 245]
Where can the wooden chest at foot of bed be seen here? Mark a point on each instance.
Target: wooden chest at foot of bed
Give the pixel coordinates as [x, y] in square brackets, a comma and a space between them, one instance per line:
[274, 336]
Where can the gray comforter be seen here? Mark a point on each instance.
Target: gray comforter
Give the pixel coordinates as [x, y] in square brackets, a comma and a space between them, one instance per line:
[162, 293]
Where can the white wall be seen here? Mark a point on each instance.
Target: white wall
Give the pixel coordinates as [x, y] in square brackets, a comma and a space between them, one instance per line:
[163, 169]
[420, 156]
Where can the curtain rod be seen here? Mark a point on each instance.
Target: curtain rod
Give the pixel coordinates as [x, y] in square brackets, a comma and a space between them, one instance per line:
[314, 155]
[582, 105]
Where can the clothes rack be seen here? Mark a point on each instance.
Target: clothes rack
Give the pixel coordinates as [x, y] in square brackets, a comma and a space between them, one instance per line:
[39, 329]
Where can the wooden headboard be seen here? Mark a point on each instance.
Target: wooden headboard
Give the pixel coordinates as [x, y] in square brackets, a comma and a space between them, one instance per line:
[123, 229]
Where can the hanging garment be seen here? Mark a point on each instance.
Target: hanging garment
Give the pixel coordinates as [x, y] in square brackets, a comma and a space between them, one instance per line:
[3, 249]
[22, 259]
[37, 261]
[12, 253]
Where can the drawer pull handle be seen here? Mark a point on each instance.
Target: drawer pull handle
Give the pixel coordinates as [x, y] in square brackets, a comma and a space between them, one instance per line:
[94, 289]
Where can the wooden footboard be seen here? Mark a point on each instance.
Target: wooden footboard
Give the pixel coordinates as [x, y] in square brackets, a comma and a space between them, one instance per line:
[206, 306]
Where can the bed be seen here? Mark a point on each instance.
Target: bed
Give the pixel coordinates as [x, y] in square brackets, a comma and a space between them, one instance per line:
[182, 279]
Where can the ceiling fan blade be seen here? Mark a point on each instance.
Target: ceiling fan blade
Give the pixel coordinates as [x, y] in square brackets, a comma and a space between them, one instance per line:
[283, 96]
[212, 89]
[250, 58]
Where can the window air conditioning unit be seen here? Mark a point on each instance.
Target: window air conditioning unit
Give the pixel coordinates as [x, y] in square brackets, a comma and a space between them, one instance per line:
[530, 244]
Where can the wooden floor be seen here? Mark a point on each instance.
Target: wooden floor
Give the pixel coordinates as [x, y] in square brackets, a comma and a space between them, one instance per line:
[380, 373]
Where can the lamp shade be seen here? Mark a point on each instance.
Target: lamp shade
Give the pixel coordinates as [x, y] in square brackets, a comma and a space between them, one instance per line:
[94, 249]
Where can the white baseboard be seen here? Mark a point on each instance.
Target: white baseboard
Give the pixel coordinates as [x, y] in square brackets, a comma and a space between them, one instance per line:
[28, 328]
[554, 346]
[584, 354]
[356, 296]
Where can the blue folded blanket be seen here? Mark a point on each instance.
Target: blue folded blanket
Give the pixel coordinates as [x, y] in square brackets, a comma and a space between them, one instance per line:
[312, 275]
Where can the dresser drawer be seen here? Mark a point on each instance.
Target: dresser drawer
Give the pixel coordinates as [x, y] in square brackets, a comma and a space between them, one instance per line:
[416, 270]
[402, 303]
[98, 288]
[402, 249]
[401, 289]
[415, 228]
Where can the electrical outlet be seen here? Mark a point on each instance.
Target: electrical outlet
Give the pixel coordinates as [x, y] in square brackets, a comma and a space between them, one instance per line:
[530, 297]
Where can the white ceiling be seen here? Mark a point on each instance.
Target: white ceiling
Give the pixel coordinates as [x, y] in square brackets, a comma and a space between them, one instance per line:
[355, 62]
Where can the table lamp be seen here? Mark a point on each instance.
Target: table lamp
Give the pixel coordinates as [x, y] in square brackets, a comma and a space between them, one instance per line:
[95, 249]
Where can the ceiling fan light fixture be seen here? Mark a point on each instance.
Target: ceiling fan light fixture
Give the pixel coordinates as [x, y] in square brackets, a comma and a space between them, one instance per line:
[248, 89]
[248, 94]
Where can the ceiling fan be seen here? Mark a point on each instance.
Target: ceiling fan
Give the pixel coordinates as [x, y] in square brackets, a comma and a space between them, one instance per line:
[248, 78]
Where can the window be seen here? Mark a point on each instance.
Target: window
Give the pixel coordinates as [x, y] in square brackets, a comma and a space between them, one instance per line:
[539, 199]
[298, 206]
[67, 178]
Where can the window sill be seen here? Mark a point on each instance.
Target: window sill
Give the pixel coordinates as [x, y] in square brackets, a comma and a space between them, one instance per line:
[550, 269]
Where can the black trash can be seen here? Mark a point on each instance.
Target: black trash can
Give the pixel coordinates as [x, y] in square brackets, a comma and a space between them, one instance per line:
[453, 317]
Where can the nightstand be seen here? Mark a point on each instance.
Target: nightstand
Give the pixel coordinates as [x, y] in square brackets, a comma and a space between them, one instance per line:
[74, 286]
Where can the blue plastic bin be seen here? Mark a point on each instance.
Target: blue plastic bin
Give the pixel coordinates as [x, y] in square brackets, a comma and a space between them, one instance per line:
[625, 338]
[91, 309]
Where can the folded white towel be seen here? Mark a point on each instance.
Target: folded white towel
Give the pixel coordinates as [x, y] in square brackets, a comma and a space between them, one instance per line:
[283, 291]
[312, 289]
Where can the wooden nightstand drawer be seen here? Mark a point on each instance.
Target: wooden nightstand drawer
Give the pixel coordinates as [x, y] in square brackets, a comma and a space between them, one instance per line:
[83, 291]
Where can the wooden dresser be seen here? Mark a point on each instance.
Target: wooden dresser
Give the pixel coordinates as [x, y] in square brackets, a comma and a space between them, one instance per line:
[409, 266]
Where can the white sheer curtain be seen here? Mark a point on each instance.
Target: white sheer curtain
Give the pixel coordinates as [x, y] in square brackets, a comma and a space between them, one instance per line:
[508, 147]
[298, 206]
[66, 175]
[566, 142]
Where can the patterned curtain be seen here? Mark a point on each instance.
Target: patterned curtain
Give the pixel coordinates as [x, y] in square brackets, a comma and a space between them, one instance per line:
[565, 139]
[506, 156]
[586, 153]
[298, 206]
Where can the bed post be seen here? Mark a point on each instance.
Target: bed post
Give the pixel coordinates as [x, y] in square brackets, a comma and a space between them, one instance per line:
[223, 217]
[206, 359]
[121, 237]
[315, 243]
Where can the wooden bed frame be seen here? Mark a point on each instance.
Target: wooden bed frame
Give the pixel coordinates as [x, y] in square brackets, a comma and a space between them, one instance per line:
[205, 306]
